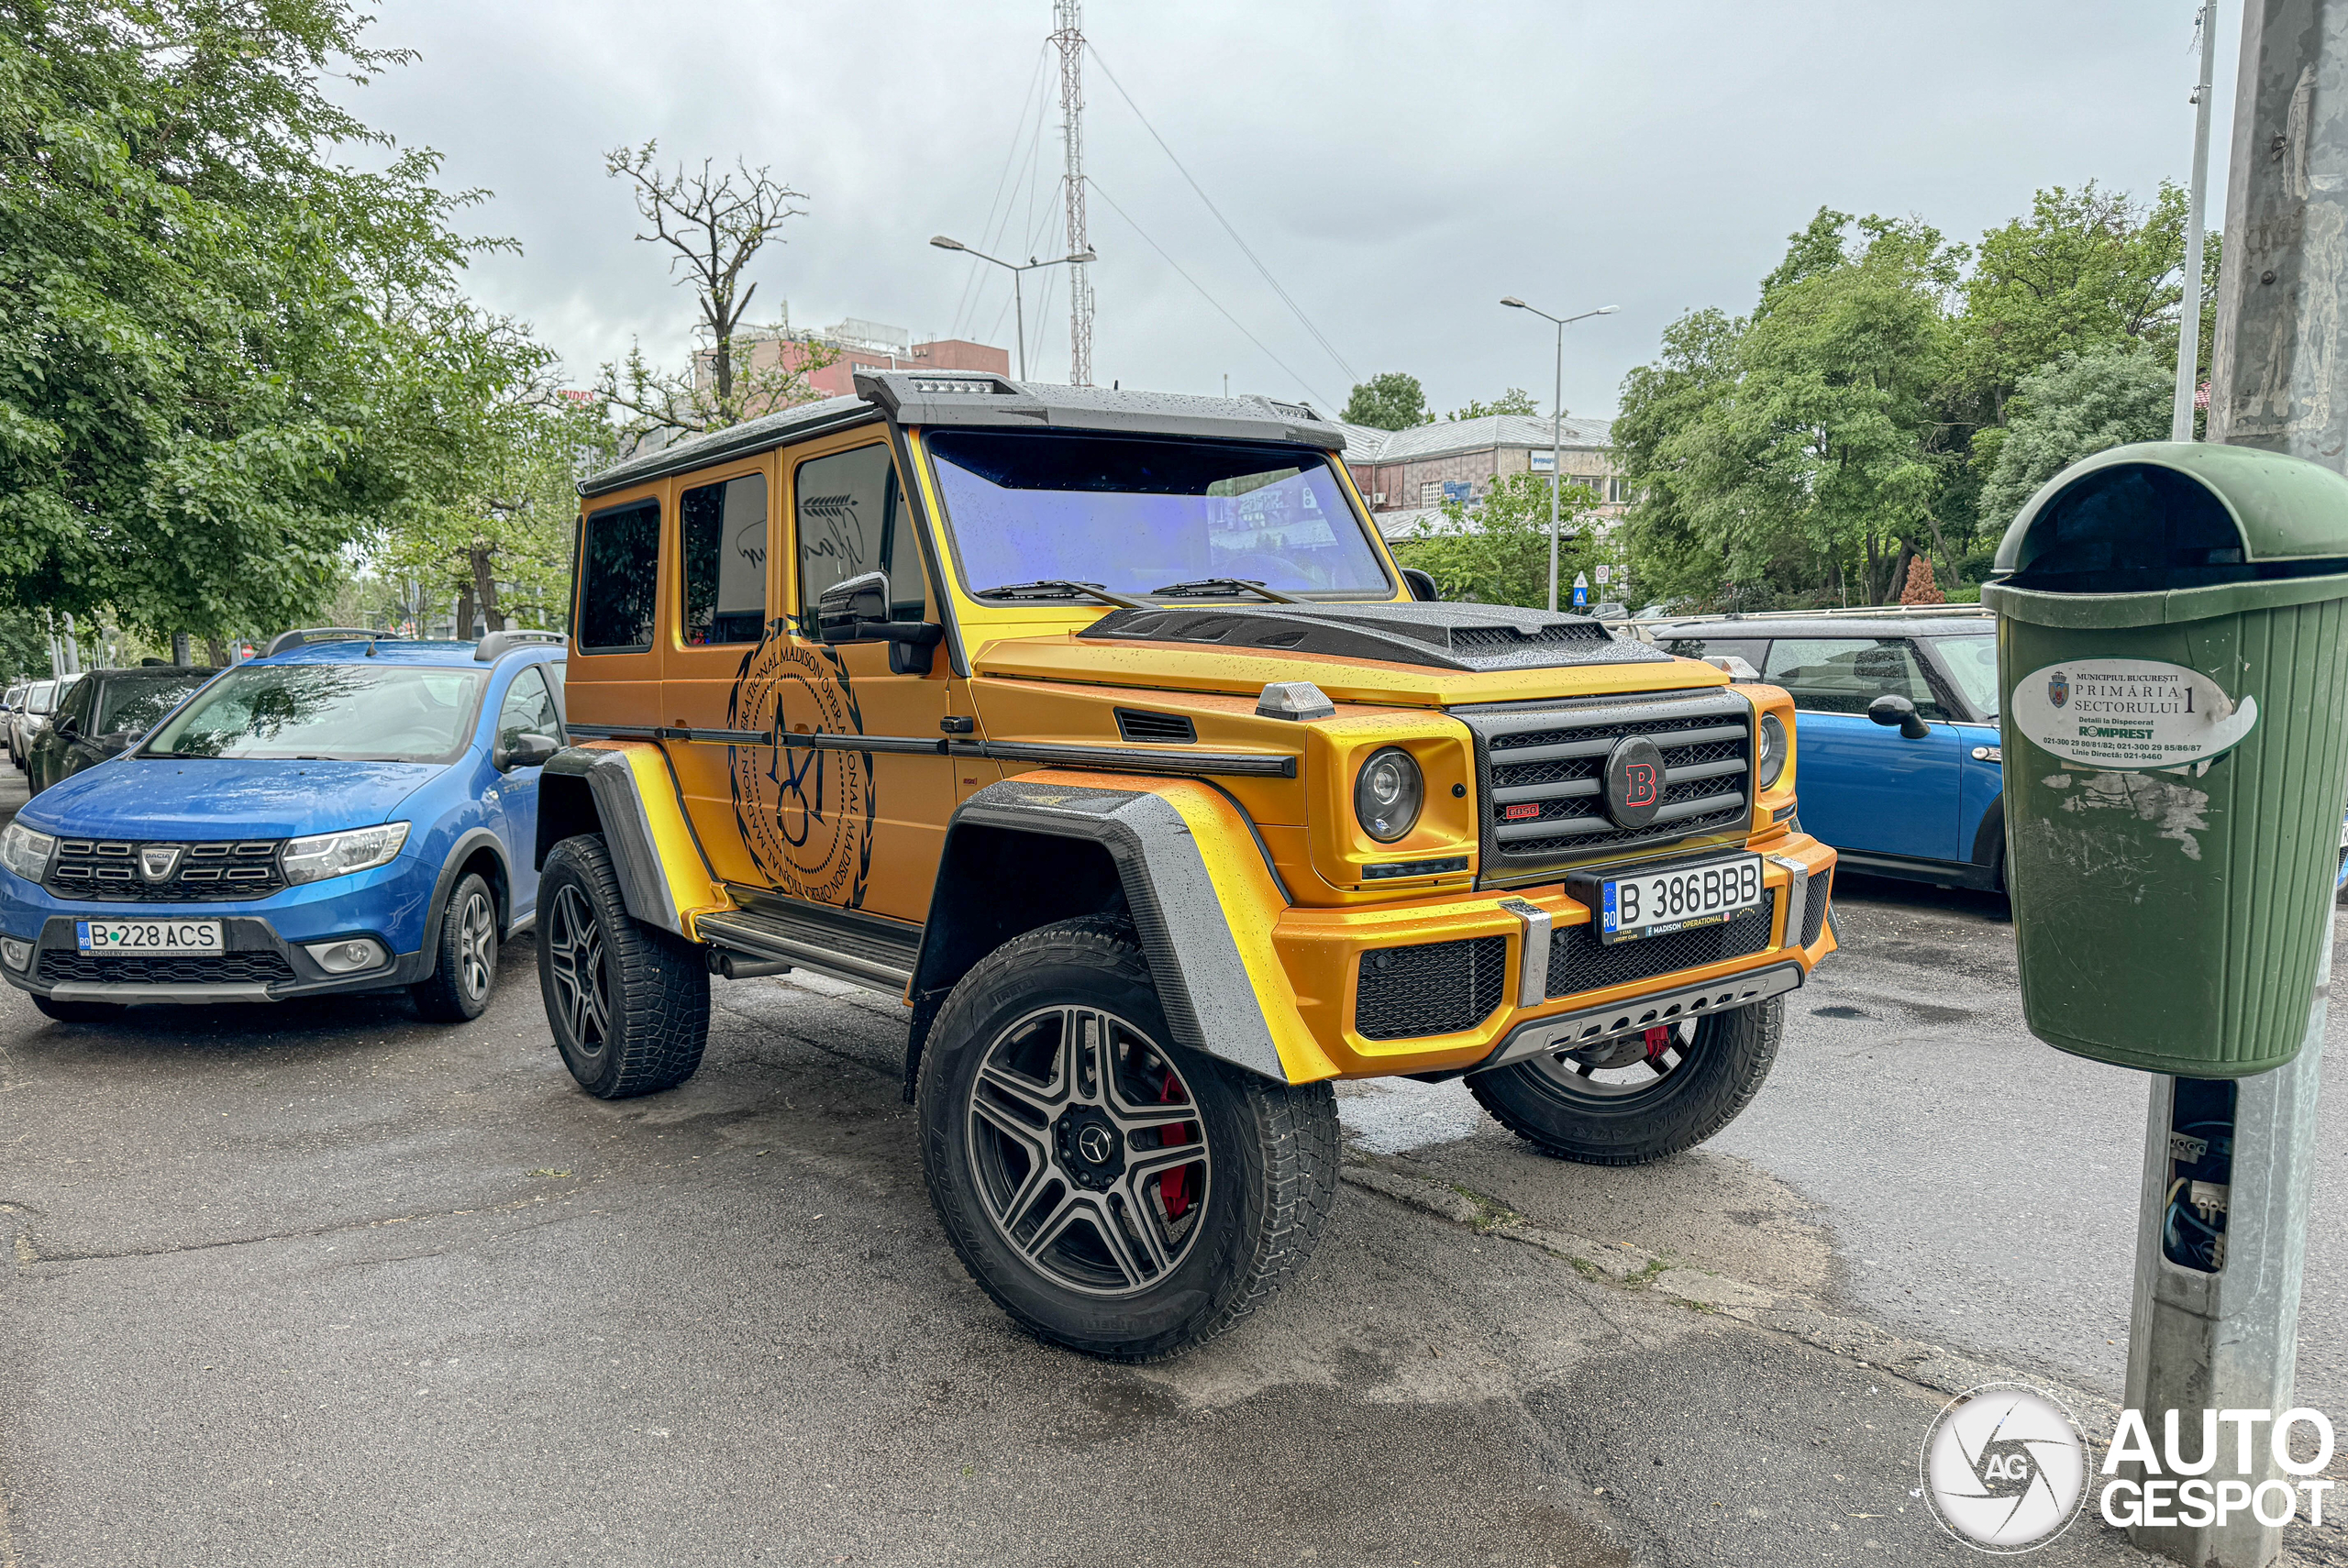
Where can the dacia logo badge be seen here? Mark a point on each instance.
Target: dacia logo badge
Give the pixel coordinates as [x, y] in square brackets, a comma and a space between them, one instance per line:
[2058, 689]
[157, 861]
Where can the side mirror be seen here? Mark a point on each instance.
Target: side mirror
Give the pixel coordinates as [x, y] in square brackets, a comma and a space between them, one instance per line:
[1422, 583]
[857, 610]
[1893, 708]
[65, 726]
[845, 609]
[526, 751]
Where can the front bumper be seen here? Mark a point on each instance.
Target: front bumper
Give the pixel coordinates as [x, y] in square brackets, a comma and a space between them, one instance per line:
[1503, 996]
[256, 964]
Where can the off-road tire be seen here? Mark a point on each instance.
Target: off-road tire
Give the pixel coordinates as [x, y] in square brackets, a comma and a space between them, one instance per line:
[445, 996]
[1731, 1059]
[1274, 1148]
[81, 1011]
[656, 986]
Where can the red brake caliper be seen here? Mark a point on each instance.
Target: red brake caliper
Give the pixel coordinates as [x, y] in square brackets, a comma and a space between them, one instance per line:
[1658, 1041]
[1173, 1187]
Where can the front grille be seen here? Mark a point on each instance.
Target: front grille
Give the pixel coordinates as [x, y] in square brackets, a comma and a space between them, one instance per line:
[164, 969]
[1435, 988]
[1813, 913]
[1579, 962]
[108, 870]
[1544, 775]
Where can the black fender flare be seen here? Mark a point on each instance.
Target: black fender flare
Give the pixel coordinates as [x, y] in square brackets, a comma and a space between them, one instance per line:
[470, 841]
[1989, 839]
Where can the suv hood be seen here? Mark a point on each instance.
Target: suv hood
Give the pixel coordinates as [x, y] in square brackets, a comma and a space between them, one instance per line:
[1478, 637]
[135, 798]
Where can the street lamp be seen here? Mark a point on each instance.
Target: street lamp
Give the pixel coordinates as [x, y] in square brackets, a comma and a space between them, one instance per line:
[1556, 422]
[1014, 268]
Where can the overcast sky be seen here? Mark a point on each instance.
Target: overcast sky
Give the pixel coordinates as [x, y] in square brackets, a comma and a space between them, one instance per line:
[1397, 167]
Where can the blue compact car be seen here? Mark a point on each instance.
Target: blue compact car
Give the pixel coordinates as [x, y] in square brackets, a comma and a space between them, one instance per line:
[1896, 730]
[347, 814]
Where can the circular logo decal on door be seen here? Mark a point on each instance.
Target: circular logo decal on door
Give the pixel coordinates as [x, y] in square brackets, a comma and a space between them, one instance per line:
[805, 814]
[1634, 781]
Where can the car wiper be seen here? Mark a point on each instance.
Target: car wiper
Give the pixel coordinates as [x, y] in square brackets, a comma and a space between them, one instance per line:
[1221, 587]
[1060, 588]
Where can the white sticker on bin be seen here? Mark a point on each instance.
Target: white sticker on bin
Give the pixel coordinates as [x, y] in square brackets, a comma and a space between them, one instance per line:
[2128, 715]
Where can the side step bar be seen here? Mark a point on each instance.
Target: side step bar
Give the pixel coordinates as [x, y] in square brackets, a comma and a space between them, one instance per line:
[878, 960]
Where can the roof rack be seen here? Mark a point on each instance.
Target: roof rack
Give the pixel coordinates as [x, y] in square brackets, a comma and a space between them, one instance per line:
[497, 644]
[303, 636]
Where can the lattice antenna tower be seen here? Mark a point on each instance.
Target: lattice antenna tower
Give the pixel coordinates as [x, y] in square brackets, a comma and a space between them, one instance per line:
[1068, 32]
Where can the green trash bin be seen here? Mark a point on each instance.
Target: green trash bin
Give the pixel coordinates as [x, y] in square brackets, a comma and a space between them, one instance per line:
[2173, 656]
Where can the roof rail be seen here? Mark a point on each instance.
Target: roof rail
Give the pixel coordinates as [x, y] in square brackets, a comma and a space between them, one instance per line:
[303, 636]
[1856, 612]
[497, 644]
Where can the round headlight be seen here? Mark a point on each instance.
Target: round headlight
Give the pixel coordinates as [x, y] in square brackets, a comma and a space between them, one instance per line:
[1387, 793]
[1774, 749]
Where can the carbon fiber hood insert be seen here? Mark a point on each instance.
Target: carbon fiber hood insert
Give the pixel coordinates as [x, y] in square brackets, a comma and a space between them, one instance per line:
[1474, 637]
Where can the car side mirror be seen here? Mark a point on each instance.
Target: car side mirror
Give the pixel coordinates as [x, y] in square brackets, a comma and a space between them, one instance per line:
[1422, 583]
[64, 725]
[845, 609]
[857, 610]
[526, 750]
[1893, 708]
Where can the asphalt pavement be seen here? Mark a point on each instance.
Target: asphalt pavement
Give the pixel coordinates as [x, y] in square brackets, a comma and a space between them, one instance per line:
[325, 1284]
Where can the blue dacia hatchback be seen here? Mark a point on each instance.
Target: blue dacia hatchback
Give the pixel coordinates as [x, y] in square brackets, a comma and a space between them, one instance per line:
[348, 813]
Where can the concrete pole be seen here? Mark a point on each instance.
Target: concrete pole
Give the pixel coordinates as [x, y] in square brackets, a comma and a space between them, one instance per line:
[2229, 1340]
[182, 654]
[72, 648]
[2189, 316]
[1556, 460]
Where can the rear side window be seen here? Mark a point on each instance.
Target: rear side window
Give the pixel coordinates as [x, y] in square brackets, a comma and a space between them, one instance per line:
[619, 570]
[851, 521]
[723, 530]
[1843, 675]
[1752, 651]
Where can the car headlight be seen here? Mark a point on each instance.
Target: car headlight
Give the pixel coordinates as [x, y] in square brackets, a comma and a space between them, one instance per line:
[25, 852]
[1774, 749]
[1387, 793]
[340, 853]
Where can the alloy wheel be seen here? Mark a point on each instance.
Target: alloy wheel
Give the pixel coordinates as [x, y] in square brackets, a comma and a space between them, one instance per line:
[1622, 1068]
[1089, 1156]
[575, 954]
[476, 945]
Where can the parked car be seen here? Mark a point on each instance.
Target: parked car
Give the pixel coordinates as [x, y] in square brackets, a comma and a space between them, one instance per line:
[1901, 768]
[341, 816]
[25, 720]
[105, 715]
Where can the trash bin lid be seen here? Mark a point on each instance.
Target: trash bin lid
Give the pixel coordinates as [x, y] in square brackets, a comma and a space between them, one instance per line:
[2171, 515]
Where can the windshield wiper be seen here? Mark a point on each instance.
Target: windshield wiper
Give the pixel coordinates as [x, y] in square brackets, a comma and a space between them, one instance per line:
[1059, 588]
[1221, 587]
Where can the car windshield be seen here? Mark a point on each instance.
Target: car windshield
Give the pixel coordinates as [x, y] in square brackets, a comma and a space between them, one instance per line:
[1973, 662]
[137, 702]
[1138, 516]
[330, 711]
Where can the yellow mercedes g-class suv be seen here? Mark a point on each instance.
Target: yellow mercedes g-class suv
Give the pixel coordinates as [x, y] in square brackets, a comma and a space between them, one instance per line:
[1101, 729]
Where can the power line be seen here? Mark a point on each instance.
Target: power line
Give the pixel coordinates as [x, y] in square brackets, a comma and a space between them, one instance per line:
[1011, 155]
[1234, 321]
[1286, 298]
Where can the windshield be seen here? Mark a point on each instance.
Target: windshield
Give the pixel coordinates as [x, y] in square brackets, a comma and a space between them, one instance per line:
[1143, 515]
[348, 713]
[136, 705]
[41, 698]
[1973, 662]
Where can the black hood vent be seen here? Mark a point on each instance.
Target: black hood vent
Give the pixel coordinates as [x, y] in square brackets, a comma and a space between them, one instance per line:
[1442, 636]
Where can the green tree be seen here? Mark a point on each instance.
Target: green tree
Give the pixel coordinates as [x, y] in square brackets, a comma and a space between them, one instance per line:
[1516, 400]
[2074, 408]
[1496, 549]
[209, 329]
[1392, 400]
